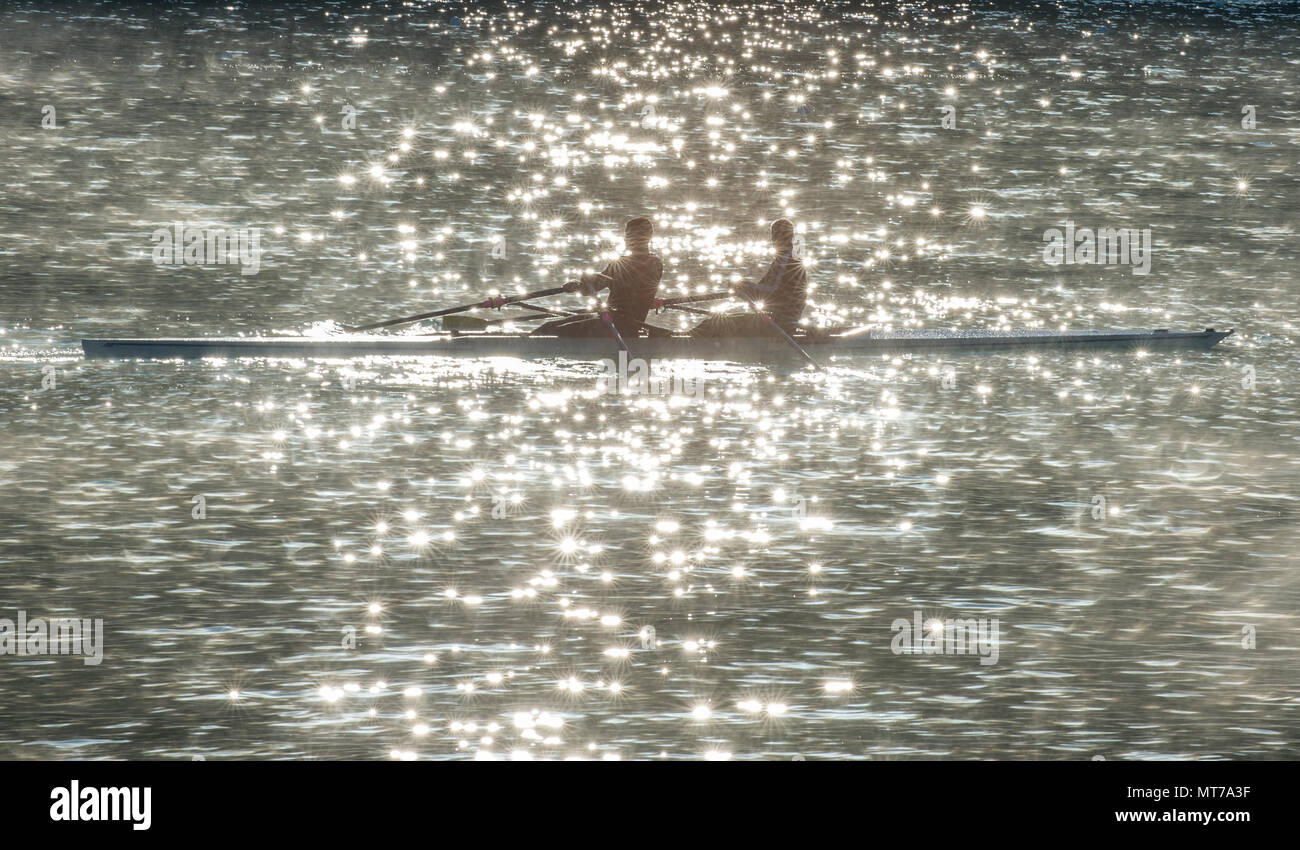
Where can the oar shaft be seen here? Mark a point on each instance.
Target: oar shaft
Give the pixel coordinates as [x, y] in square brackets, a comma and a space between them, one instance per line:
[691, 299]
[613, 329]
[542, 310]
[497, 301]
[772, 322]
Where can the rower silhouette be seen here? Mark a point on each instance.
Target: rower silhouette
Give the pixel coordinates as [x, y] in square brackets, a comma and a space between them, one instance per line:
[781, 293]
[632, 280]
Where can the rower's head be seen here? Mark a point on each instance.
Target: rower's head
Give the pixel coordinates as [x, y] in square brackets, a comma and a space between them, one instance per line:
[783, 234]
[637, 233]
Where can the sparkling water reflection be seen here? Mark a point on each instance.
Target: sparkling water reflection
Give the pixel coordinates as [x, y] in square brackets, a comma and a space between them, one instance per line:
[496, 559]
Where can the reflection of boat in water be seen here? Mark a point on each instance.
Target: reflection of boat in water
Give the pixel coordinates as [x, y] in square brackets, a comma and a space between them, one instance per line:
[827, 343]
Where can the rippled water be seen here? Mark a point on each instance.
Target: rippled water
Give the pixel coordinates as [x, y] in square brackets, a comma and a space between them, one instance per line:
[435, 559]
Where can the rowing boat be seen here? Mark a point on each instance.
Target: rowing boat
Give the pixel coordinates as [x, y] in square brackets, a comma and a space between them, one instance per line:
[825, 344]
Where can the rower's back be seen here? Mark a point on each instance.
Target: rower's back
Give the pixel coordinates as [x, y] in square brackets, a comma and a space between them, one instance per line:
[784, 288]
[636, 274]
[781, 294]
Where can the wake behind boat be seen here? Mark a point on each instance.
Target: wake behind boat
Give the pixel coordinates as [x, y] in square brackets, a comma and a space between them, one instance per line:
[826, 343]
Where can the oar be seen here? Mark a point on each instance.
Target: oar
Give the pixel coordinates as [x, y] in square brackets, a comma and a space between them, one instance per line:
[691, 299]
[495, 301]
[768, 318]
[542, 311]
[680, 303]
[474, 323]
[588, 283]
[686, 309]
[613, 328]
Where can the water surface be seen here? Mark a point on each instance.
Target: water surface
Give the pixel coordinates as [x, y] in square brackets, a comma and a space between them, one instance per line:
[435, 559]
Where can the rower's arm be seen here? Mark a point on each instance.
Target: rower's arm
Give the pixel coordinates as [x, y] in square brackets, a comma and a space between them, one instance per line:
[757, 290]
[589, 284]
[602, 280]
[593, 283]
[768, 284]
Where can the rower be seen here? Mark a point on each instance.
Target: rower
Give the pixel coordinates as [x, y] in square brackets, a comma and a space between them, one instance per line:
[632, 280]
[781, 293]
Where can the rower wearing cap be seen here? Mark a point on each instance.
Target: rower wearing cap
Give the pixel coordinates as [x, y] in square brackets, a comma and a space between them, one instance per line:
[632, 280]
[781, 293]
